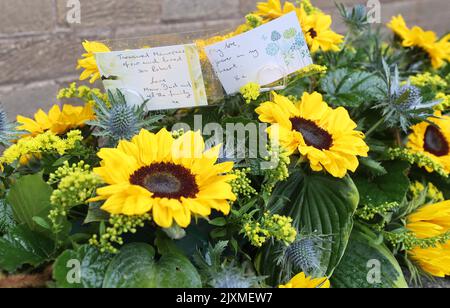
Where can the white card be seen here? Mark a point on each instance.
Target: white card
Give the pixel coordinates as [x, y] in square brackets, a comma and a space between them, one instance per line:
[263, 55]
[168, 77]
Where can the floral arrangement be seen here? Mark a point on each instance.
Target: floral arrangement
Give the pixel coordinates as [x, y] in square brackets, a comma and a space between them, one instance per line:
[355, 191]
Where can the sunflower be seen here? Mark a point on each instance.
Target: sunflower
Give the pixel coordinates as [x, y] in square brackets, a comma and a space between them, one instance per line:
[88, 62]
[302, 282]
[273, 9]
[437, 50]
[318, 33]
[56, 121]
[326, 136]
[172, 178]
[433, 140]
[431, 221]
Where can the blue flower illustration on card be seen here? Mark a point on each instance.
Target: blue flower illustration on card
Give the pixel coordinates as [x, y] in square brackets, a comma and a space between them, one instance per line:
[276, 36]
[272, 49]
[299, 41]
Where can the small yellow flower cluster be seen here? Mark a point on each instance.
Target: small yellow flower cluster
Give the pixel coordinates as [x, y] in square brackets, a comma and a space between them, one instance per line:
[120, 224]
[311, 70]
[309, 8]
[251, 92]
[257, 235]
[43, 143]
[419, 159]
[242, 184]
[445, 101]
[77, 183]
[368, 212]
[410, 241]
[428, 80]
[280, 170]
[280, 228]
[271, 226]
[83, 93]
[433, 193]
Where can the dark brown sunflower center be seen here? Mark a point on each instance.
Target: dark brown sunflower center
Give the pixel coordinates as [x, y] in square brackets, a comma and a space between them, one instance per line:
[312, 33]
[435, 142]
[313, 135]
[166, 180]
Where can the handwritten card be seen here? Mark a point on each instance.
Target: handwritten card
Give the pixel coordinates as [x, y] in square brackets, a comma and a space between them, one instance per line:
[263, 55]
[168, 77]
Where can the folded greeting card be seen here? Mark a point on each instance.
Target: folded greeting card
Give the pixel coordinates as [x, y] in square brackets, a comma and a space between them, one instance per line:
[263, 55]
[167, 77]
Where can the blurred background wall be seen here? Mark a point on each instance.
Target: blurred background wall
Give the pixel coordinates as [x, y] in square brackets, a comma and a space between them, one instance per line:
[39, 47]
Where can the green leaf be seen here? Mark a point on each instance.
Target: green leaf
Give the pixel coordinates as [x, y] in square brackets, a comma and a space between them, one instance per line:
[23, 246]
[135, 267]
[320, 204]
[30, 197]
[96, 214]
[82, 268]
[175, 271]
[373, 166]
[391, 187]
[43, 223]
[6, 217]
[352, 88]
[362, 260]
[218, 222]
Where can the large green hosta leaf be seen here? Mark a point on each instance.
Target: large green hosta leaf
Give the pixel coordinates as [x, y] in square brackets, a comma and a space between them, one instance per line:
[84, 267]
[322, 204]
[364, 257]
[30, 197]
[135, 267]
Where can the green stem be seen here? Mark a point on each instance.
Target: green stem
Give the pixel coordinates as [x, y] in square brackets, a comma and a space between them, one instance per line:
[375, 126]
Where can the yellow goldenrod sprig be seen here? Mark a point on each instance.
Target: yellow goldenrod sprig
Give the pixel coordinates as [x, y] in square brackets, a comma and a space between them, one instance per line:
[368, 212]
[409, 240]
[280, 161]
[309, 8]
[444, 101]
[83, 93]
[270, 226]
[250, 92]
[76, 184]
[119, 225]
[241, 185]
[419, 159]
[311, 70]
[46, 143]
[428, 80]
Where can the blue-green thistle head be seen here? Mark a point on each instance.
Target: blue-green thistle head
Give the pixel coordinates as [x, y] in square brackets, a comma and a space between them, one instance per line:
[231, 277]
[123, 122]
[304, 255]
[408, 97]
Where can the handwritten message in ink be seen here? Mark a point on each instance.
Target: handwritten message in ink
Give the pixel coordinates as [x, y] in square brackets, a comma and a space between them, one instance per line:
[167, 77]
[263, 55]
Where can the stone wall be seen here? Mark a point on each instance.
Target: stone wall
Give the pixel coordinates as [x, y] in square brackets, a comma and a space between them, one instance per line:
[39, 48]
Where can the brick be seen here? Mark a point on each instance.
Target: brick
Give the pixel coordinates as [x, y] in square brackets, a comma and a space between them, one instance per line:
[40, 58]
[26, 16]
[182, 10]
[180, 32]
[27, 99]
[112, 13]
